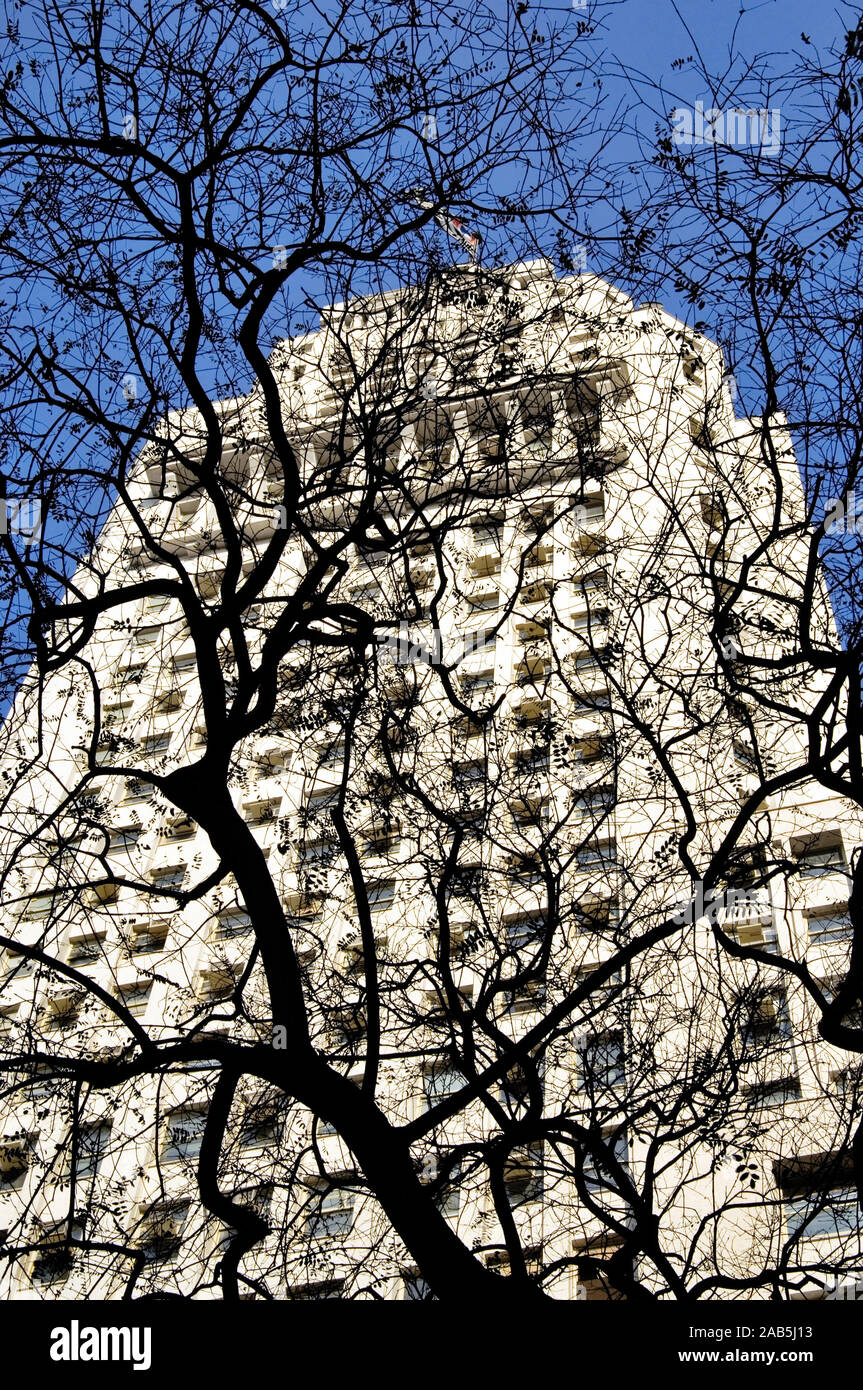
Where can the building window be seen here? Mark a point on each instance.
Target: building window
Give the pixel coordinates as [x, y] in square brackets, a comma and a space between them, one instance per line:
[160, 1234]
[532, 670]
[53, 1263]
[155, 746]
[594, 1283]
[102, 894]
[847, 1078]
[261, 813]
[85, 950]
[532, 761]
[751, 932]
[591, 701]
[599, 1178]
[148, 937]
[597, 856]
[829, 924]
[184, 666]
[515, 1091]
[132, 675]
[169, 701]
[334, 1214]
[484, 603]
[136, 997]
[595, 802]
[830, 1214]
[124, 839]
[525, 932]
[333, 754]
[349, 1021]
[112, 715]
[136, 790]
[767, 1021]
[522, 1174]
[526, 997]
[820, 1199]
[39, 906]
[469, 775]
[183, 1133]
[487, 534]
[17, 965]
[466, 881]
[776, 1093]
[15, 1153]
[90, 1146]
[821, 857]
[62, 1008]
[170, 877]
[317, 850]
[182, 828]
[415, 1289]
[526, 869]
[383, 837]
[745, 755]
[440, 1082]
[260, 1123]
[523, 939]
[532, 813]
[324, 1290]
[593, 748]
[259, 1197]
[8, 1020]
[232, 923]
[499, 1262]
[596, 914]
[602, 1063]
[535, 590]
[217, 982]
[381, 895]
[157, 603]
[748, 869]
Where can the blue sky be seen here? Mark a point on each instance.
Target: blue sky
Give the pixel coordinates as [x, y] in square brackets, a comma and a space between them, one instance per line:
[649, 34]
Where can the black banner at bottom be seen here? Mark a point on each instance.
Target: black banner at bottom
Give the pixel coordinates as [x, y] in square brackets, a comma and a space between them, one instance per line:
[178, 1339]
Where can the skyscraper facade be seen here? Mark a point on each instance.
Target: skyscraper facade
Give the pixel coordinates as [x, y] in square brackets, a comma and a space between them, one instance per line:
[528, 784]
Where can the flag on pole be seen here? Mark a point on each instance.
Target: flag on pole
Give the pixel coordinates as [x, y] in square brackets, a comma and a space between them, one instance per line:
[453, 226]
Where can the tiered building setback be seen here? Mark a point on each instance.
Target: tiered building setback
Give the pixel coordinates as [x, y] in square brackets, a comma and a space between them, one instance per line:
[531, 775]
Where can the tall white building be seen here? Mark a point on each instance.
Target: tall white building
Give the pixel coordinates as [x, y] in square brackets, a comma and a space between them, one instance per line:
[541, 734]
